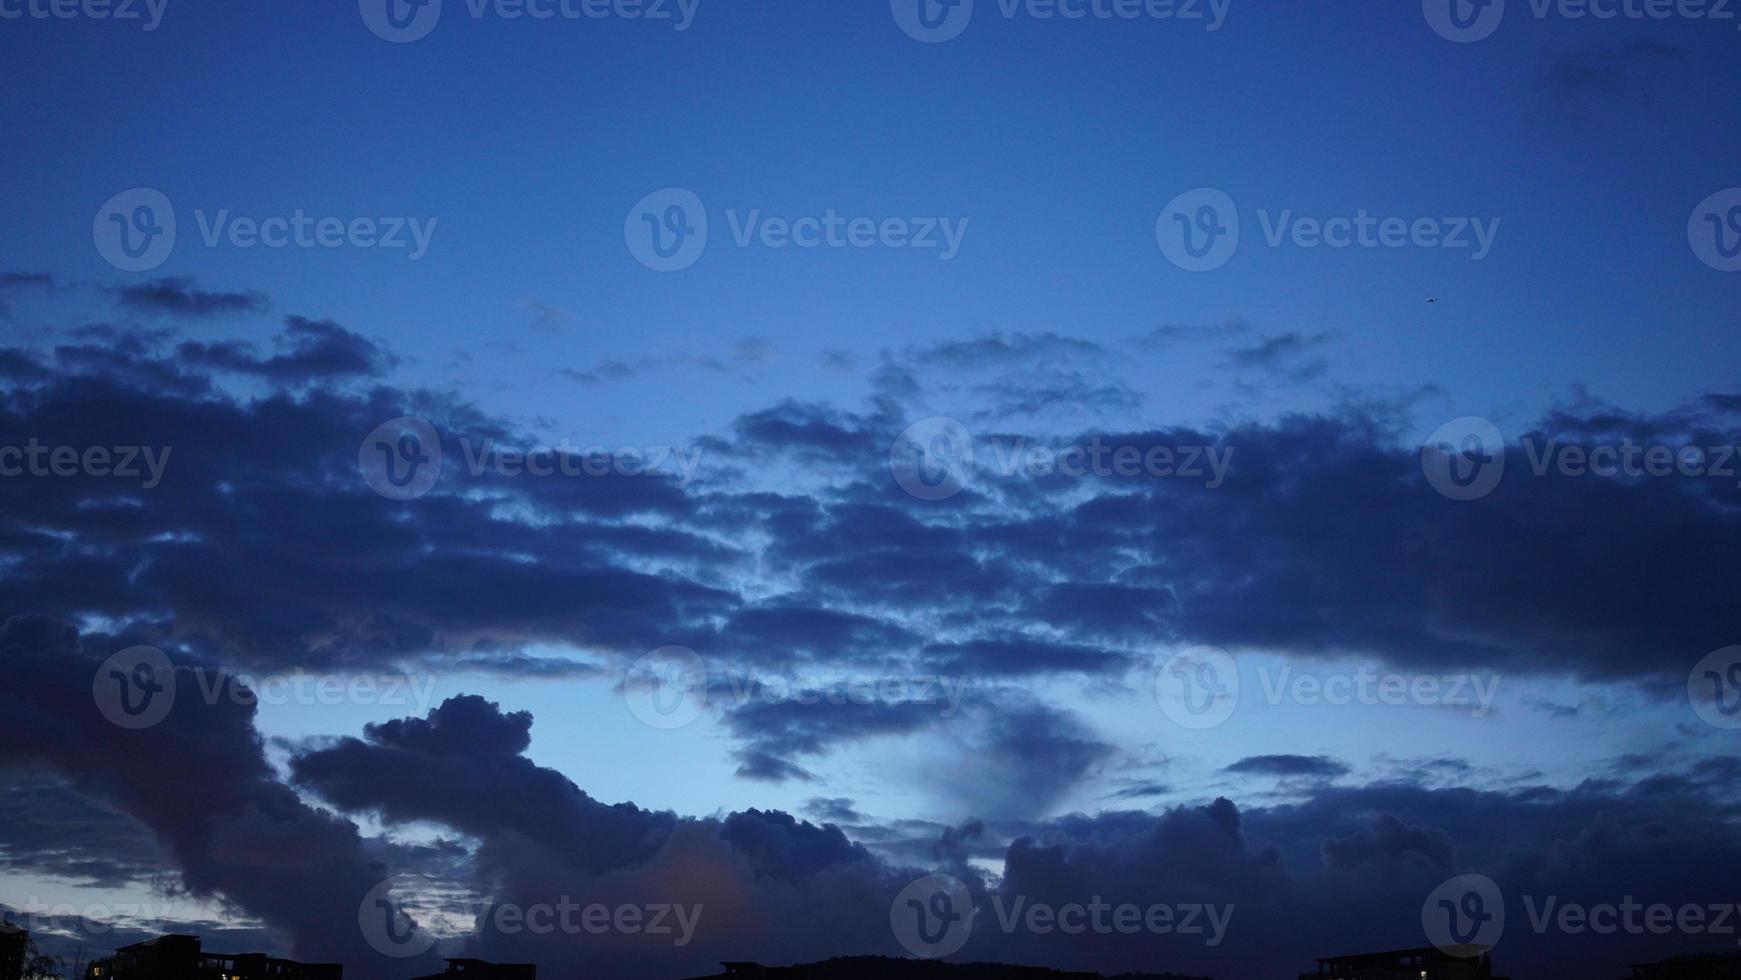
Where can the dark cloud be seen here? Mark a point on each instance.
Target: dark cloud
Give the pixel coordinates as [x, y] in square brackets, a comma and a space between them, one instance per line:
[463, 767]
[1142, 791]
[243, 836]
[1058, 393]
[838, 360]
[808, 432]
[48, 830]
[182, 298]
[1344, 868]
[1016, 756]
[808, 723]
[768, 768]
[746, 354]
[1294, 356]
[1002, 350]
[1015, 656]
[836, 809]
[1319, 766]
[546, 316]
[265, 548]
[1388, 840]
[1316, 543]
[311, 351]
[12, 283]
[1594, 78]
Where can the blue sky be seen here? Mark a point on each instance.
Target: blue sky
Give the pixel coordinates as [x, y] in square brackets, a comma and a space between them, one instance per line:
[1054, 148]
[529, 140]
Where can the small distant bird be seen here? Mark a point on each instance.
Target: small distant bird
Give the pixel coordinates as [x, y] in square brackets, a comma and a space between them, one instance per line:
[1432, 299]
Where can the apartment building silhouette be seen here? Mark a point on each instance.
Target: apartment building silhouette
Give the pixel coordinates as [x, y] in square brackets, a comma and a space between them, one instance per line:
[462, 969]
[1428, 963]
[1715, 966]
[13, 943]
[178, 957]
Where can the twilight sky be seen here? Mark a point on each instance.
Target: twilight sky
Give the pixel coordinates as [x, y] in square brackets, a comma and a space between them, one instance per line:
[947, 515]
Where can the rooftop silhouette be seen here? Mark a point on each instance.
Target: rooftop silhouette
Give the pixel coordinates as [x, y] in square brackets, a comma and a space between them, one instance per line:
[180, 957]
[877, 967]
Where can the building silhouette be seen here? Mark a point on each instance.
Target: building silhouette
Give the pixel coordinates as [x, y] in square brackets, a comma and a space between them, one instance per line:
[461, 969]
[1712, 966]
[884, 968]
[178, 957]
[13, 944]
[1428, 963]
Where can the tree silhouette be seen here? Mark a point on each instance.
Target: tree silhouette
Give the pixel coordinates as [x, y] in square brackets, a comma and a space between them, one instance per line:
[39, 965]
